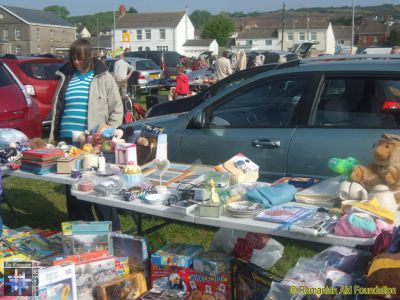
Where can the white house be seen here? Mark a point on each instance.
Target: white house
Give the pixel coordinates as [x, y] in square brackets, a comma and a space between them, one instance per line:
[166, 31]
[298, 31]
[257, 39]
[83, 32]
[342, 38]
[195, 47]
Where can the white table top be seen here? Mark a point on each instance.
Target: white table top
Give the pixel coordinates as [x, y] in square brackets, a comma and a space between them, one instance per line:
[52, 177]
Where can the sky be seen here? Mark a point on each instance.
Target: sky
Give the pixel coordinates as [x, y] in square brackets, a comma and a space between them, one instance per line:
[87, 7]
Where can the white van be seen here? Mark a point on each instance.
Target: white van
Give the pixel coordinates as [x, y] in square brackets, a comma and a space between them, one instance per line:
[377, 50]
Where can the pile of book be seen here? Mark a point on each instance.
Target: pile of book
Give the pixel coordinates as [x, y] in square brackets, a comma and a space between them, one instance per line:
[40, 161]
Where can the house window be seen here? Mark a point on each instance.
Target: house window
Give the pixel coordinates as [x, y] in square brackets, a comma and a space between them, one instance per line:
[162, 34]
[147, 49]
[139, 34]
[51, 35]
[17, 34]
[249, 42]
[365, 39]
[313, 36]
[140, 49]
[375, 39]
[340, 42]
[302, 36]
[17, 49]
[162, 48]
[268, 42]
[38, 34]
[148, 34]
[5, 35]
[290, 36]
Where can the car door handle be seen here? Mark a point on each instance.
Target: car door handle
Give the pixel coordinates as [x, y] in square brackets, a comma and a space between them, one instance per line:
[266, 143]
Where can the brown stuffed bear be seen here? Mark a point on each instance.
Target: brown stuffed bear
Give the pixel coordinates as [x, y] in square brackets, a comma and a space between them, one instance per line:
[386, 166]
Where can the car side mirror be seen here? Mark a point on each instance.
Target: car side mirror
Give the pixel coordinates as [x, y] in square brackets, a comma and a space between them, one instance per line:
[198, 120]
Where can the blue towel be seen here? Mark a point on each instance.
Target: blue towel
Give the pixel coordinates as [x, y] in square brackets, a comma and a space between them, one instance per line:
[272, 195]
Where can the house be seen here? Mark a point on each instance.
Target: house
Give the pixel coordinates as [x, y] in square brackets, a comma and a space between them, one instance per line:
[83, 32]
[195, 47]
[306, 29]
[372, 33]
[163, 31]
[257, 39]
[342, 38]
[24, 31]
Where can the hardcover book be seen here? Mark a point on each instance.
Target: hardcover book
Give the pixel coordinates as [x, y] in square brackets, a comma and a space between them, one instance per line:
[93, 273]
[42, 154]
[91, 236]
[57, 282]
[131, 286]
[284, 213]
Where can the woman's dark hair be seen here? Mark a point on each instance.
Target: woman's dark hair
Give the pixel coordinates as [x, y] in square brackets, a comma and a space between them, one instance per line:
[82, 50]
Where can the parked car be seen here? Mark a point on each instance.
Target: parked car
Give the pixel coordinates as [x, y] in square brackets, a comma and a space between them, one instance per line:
[37, 74]
[17, 109]
[145, 71]
[168, 61]
[292, 120]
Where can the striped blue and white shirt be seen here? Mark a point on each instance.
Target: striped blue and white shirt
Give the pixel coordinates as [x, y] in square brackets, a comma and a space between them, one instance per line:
[74, 117]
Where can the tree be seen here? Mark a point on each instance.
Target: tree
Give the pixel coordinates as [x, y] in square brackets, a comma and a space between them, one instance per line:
[132, 10]
[394, 38]
[200, 17]
[60, 11]
[218, 27]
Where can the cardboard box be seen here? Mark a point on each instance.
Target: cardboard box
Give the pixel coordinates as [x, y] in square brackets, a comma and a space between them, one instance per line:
[170, 277]
[129, 287]
[125, 153]
[203, 286]
[156, 293]
[250, 281]
[174, 254]
[212, 263]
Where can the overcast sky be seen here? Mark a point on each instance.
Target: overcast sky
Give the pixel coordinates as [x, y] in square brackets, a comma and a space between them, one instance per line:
[85, 7]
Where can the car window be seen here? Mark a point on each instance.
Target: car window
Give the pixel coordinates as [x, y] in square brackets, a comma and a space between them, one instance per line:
[41, 70]
[5, 77]
[142, 65]
[269, 103]
[359, 102]
[154, 57]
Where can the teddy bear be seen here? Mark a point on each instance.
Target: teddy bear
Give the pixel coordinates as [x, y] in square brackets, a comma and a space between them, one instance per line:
[385, 168]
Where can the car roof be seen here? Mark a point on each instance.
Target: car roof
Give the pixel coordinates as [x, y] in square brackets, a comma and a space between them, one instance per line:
[26, 58]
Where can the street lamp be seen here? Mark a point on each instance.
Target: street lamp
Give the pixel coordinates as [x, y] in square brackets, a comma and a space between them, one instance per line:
[114, 42]
[352, 28]
[293, 22]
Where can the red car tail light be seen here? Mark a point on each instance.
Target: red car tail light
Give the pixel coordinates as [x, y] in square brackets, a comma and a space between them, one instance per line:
[391, 104]
[141, 76]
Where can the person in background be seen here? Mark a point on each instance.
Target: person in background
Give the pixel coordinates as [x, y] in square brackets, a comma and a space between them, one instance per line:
[223, 66]
[395, 50]
[122, 72]
[86, 96]
[182, 84]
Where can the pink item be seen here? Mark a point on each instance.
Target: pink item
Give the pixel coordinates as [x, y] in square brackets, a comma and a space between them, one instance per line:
[345, 228]
[85, 186]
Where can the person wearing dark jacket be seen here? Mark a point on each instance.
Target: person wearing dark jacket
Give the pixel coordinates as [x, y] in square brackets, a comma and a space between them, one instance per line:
[87, 95]
[182, 84]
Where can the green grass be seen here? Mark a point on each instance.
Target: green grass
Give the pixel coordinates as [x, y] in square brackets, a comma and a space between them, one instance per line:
[42, 204]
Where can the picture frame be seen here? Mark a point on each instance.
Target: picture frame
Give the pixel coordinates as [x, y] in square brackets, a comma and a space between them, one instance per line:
[174, 173]
[131, 286]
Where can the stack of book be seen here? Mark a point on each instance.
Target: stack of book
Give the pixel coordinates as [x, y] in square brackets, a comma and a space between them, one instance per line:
[41, 161]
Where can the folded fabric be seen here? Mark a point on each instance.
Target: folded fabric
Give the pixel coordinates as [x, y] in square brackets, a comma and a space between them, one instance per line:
[373, 208]
[361, 225]
[272, 195]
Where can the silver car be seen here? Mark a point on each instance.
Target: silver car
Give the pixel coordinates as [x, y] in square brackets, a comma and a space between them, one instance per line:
[146, 72]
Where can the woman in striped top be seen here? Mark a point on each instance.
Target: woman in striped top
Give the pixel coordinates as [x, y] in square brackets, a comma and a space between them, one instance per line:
[87, 95]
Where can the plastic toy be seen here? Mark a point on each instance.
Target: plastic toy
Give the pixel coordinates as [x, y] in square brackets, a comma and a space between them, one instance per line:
[342, 166]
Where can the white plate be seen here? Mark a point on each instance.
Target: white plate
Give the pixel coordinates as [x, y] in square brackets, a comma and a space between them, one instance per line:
[156, 198]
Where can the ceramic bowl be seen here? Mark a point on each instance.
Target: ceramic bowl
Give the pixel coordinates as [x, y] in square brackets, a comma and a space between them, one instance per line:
[156, 198]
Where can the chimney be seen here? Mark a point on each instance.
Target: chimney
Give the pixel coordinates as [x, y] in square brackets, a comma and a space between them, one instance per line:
[122, 10]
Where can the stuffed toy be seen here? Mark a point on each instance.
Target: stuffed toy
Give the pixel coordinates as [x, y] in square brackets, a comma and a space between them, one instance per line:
[36, 143]
[385, 168]
[101, 134]
[342, 166]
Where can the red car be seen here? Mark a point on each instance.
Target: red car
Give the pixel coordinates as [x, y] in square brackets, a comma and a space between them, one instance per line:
[38, 76]
[17, 109]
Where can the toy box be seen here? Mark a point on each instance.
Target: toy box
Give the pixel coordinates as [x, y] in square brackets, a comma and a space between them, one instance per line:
[207, 287]
[57, 282]
[156, 293]
[249, 281]
[212, 263]
[174, 254]
[125, 153]
[130, 286]
[65, 165]
[170, 277]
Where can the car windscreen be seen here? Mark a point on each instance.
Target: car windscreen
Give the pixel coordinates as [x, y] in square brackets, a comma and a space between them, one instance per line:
[5, 77]
[41, 70]
[143, 65]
